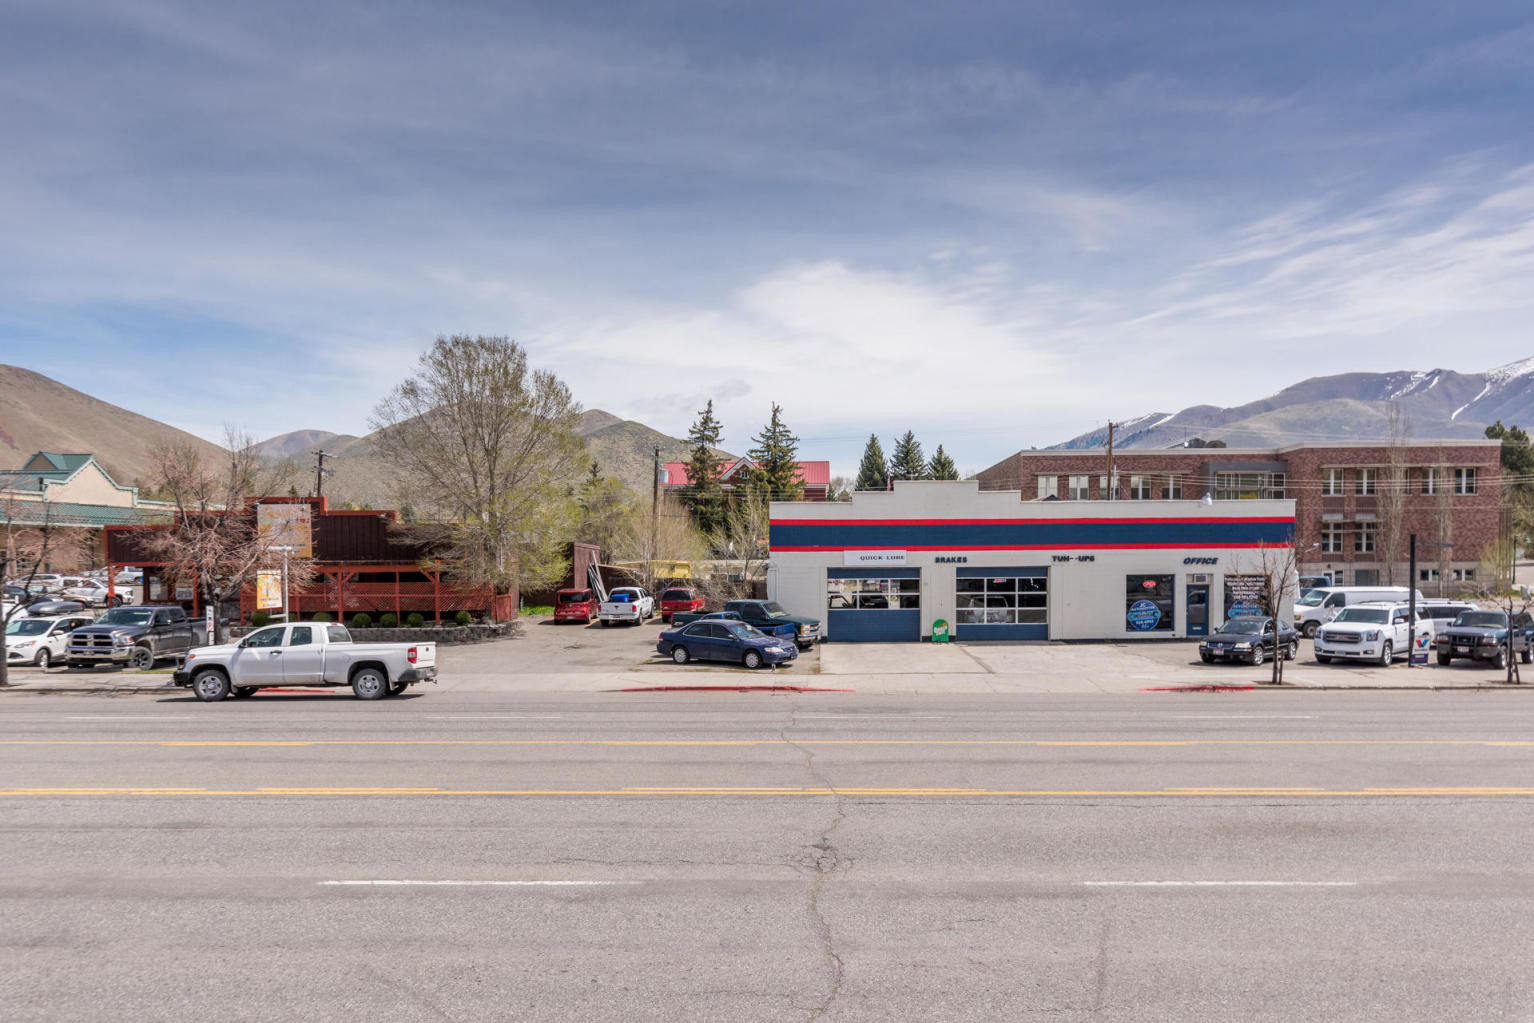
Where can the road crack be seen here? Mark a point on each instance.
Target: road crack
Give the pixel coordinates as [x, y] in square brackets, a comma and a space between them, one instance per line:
[822, 861]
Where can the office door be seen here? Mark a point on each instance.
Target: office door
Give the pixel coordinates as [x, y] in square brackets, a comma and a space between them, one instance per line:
[1197, 603]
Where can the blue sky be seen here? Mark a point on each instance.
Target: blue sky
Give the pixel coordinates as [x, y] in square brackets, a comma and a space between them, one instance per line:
[997, 224]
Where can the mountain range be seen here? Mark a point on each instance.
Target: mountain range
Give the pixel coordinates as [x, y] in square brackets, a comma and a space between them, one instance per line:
[1435, 404]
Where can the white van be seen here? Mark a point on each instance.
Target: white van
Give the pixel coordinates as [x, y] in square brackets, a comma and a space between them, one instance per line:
[1321, 605]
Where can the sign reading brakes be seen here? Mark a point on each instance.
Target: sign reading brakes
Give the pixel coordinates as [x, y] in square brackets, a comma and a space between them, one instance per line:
[872, 559]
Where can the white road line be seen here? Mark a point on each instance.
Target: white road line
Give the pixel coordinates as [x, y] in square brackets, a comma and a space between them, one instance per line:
[1245, 717]
[480, 884]
[1219, 884]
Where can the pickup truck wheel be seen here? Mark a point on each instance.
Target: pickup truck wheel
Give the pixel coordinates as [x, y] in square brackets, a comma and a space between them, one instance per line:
[141, 659]
[44, 659]
[752, 660]
[244, 692]
[398, 687]
[1309, 629]
[1444, 658]
[680, 655]
[606, 622]
[1527, 656]
[370, 684]
[210, 685]
[1500, 661]
[1386, 655]
[1323, 659]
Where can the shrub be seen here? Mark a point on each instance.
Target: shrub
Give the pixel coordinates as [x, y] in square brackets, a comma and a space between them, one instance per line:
[362, 620]
[462, 618]
[259, 618]
[388, 621]
[414, 620]
[322, 616]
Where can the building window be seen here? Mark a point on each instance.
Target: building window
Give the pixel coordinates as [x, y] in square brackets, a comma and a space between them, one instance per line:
[1174, 488]
[1331, 538]
[1427, 575]
[1464, 575]
[1080, 488]
[1049, 486]
[873, 594]
[1464, 481]
[1148, 603]
[1366, 577]
[1249, 486]
[1001, 600]
[1246, 596]
[1366, 482]
[1139, 488]
[1331, 483]
[1364, 537]
[1432, 479]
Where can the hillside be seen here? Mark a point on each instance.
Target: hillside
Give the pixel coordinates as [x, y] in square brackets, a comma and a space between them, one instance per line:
[1438, 403]
[292, 443]
[41, 414]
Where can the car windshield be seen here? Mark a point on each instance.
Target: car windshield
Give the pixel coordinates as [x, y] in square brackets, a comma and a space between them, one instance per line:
[774, 610]
[1243, 626]
[126, 616]
[676, 595]
[1483, 619]
[1313, 598]
[27, 627]
[1366, 615]
[740, 630]
[575, 598]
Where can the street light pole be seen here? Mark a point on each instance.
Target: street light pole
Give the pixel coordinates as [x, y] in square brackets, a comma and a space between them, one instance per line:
[285, 552]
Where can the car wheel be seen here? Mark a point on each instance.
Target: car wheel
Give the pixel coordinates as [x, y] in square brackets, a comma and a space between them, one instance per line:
[1500, 661]
[1309, 629]
[141, 659]
[398, 687]
[1445, 659]
[44, 659]
[1387, 654]
[1292, 651]
[370, 684]
[210, 685]
[244, 692]
[606, 622]
[680, 655]
[1527, 656]
[752, 660]
[1323, 659]
[1258, 654]
[1206, 658]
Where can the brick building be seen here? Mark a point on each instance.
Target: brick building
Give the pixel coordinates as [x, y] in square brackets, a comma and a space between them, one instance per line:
[1355, 502]
[816, 477]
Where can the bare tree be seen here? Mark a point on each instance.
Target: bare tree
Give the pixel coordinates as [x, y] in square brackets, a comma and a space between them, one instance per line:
[1391, 502]
[665, 533]
[741, 542]
[489, 448]
[1279, 566]
[22, 559]
[215, 542]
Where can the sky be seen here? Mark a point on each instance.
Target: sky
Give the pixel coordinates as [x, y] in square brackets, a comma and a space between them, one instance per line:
[996, 224]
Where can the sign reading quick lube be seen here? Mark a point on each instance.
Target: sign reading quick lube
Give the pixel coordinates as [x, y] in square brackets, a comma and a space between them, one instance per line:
[872, 559]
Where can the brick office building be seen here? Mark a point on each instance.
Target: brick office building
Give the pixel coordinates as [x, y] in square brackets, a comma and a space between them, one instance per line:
[1351, 521]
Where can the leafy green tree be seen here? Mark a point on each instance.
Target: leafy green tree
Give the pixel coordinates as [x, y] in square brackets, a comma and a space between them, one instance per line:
[777, 461]
[703, 495]
[941, 467]
[608, 512]
[1518, 471]
[907, 461]
[873, 473]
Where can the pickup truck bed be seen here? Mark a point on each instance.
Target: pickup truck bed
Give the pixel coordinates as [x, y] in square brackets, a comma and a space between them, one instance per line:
[306, 654]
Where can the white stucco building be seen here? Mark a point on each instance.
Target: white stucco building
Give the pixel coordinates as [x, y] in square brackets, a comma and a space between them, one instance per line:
[889, 565]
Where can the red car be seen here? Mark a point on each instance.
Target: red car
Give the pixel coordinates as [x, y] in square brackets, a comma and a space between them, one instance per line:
[679, 600]
[576, 606]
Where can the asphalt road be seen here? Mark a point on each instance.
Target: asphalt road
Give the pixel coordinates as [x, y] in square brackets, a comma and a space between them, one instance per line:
[1254, 856]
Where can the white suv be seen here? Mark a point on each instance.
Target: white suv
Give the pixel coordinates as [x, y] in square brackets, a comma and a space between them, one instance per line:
[1372, 631]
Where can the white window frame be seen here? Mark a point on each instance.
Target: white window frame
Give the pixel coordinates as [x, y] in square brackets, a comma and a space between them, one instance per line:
[1333, 482]
[1049, 486]
[1139, 488]
[1365, 537]
[1430, 480]
[1366, 482]
[1331, 537]
[1464, 481]
[1173, 489]
[1079, 488]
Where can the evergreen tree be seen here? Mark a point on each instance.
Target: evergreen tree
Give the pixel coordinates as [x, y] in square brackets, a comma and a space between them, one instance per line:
[907, 462]
[941, 467]
[873, 474]
[703, 495]
[777, 461]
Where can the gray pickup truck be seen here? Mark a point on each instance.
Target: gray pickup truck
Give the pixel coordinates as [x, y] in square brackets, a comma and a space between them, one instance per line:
[1487, 636]
[135, 637]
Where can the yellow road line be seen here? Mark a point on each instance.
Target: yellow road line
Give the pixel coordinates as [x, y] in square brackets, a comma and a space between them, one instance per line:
[719, 790]
[1043, 743]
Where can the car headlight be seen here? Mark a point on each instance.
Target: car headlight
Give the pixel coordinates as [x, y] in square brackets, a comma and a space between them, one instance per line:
[121, 640]
[1488, 640]
[1371, 635]
[1243, 646]
[28, 643]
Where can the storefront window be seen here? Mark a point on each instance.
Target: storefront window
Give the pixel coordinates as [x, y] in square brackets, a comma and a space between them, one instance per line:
[1001, 600]
[1148, 603]
[1079, 488]
[1246, 596]
[873, 594]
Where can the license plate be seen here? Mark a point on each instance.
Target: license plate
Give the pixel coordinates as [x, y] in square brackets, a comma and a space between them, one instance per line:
[1462, 650]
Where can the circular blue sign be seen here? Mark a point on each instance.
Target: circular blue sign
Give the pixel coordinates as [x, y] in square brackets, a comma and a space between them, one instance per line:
[1144, 615]
[1246, 609]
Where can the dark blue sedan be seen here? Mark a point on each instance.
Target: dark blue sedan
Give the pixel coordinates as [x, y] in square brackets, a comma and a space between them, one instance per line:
[735, 642]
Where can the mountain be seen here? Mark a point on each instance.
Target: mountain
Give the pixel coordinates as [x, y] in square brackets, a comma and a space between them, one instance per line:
[1435, 404]
[626, 449]
[292, 443]
[40, 414]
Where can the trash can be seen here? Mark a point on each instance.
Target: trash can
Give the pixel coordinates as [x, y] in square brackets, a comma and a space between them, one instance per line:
[940, 631]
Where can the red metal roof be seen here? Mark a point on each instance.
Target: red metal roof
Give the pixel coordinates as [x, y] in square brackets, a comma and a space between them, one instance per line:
[814, 474]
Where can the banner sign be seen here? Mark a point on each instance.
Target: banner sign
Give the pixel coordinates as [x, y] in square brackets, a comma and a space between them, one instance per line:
[872, 559]
[268, 590]
[286, 525]
[1143, 615]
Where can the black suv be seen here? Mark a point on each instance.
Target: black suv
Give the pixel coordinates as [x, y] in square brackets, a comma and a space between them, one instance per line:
[133, 636]
[1486, 636]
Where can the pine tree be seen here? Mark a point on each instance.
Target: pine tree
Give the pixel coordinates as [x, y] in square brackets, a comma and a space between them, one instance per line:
[873, 474]
[941, 467]
[907, 462]
[703, 495]
[777, 461]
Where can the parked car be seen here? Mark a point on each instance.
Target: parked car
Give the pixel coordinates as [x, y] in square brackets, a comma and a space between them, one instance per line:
[305, 654]
[574, 605]
[130, 577]
[1443, 612]
[1313, 582]
[1487, 636]
[50, 606]
[1321, 605]
[766, 613]
[627, 604]
[1250, 640]
[132, 636]
[93, 593]
[787, 631]
[679, 599]
[1373, 631]
[716, 640]
[40, 641]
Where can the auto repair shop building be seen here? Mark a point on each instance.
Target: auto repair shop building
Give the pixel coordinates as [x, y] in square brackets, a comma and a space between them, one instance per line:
[887, 565]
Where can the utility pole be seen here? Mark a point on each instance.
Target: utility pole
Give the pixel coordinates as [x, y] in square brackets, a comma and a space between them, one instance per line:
[1411, 599]
[1112, 483]
[320, 472]
[654, 519]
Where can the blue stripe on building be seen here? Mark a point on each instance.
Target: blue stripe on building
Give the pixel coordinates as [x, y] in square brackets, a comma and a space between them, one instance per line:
[1062, 534]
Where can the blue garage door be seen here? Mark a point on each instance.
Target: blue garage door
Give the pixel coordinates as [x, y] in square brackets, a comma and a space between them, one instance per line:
[873, 605]
[1001, 603]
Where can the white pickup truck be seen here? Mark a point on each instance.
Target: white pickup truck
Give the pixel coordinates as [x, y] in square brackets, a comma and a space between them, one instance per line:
[626, 604]
[306, 654]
